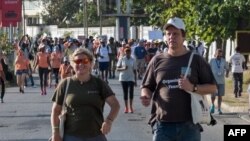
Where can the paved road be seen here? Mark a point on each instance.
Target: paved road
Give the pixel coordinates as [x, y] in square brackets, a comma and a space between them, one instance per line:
[26, 117]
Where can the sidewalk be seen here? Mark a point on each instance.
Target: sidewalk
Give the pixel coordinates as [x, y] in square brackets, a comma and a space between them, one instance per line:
[26, 117]
[240, 110]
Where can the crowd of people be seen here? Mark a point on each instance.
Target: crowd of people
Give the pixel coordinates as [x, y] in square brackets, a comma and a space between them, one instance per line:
[88, 65]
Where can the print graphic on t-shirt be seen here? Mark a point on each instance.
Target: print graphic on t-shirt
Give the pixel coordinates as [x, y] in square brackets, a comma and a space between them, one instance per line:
[171, 83]
[170, 77]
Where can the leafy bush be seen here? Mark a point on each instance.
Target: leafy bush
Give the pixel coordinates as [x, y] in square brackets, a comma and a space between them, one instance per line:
[5, 44]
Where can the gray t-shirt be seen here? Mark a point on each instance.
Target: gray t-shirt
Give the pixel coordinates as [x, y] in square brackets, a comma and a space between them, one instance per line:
[161, 77]
[128, 74]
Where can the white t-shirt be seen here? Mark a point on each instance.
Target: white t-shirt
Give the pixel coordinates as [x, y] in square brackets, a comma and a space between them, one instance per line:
[128, 74]
[104, 51]
[237, 61]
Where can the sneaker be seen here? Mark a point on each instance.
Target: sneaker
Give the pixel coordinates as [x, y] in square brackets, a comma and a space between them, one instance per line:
[41, 92]
[212, 109]
[239, 94]
[126, 110]
[131, 110]
[219, 111]
[34, 86]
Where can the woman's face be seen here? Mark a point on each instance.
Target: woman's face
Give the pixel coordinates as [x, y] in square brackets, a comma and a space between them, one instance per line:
[82, 64]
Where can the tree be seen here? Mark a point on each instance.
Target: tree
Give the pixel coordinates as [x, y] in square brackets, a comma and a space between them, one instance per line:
[57, 11]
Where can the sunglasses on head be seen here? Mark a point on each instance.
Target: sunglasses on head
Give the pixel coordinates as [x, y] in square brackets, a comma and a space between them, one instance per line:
[81, 61]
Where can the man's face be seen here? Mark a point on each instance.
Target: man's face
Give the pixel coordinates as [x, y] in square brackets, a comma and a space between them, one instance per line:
[174, 38]
[219, 54]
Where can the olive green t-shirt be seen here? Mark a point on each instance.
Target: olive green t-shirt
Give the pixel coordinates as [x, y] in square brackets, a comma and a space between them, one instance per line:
[85, 103]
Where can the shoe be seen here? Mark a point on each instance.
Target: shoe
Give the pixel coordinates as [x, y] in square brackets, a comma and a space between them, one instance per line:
[41, 92]
[212, 109]
[219, 111]
[131, 110]
[239, 94]
[34, 86]
[44, 92]
[126, 110]
[107, 81]
[2, 101]
[20, 89]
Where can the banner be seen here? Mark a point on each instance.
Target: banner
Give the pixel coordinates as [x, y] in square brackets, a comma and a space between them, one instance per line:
[155, 34]
[11, 12]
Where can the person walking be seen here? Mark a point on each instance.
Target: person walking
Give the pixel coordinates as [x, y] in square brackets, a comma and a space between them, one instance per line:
[220, 69]
[55, 60]
[2, 78]
[113, 59]
[65, 70]
[84, 102]
[103, 52]
[127, 68]
[140, 54]
[236, 62]
[164, 84]
[43, 63]
[21, 69]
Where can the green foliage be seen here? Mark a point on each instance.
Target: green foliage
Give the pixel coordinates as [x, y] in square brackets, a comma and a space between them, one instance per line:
[5, 44]
[67, 34]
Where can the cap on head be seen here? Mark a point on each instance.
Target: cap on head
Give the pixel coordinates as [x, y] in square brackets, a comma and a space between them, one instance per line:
[123, 43]
[141, 40]
[65, 59]
[56, 48]
[41, 46]
[176, 22]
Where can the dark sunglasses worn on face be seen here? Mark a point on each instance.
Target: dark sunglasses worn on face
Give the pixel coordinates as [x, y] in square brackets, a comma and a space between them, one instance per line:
[81, 61]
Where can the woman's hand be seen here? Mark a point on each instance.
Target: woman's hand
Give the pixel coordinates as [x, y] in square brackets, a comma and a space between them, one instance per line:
[56, 137]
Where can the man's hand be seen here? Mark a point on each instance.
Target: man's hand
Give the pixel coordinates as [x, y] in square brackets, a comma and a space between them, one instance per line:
[185, 84]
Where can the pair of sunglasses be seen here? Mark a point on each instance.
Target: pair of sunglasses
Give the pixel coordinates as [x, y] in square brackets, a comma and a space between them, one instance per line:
[81, 61]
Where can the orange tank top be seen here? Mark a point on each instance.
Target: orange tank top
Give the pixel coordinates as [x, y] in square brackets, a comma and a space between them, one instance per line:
[43, 60]
[55, 59]
[21, 63]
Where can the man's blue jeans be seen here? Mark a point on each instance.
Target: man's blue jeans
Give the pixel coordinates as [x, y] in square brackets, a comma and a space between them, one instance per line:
[177, 131]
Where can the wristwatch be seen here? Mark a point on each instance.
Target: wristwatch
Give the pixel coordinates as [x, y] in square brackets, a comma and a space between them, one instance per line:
[195, 88]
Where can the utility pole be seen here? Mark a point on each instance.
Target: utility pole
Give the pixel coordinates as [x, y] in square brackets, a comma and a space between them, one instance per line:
[24, 30]
[117, 27]
[99, 13]
[85, 19]
[129, 4]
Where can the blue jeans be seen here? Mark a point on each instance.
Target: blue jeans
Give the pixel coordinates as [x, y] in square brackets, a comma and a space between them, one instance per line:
[177, 131]
[74, 138]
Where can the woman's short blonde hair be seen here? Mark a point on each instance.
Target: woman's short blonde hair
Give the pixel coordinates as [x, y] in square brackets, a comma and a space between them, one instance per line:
[84, 51]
